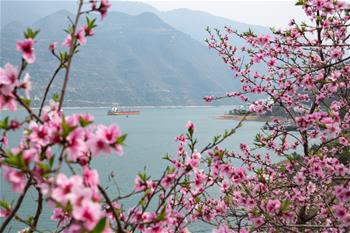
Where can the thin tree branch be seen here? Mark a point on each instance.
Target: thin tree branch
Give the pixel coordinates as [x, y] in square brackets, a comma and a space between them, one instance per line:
[38, 211]
[48, 88]
[17, 206]
[70, 55]
[115, 215]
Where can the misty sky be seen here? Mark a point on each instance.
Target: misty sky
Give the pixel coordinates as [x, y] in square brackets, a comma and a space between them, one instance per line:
[259, 12]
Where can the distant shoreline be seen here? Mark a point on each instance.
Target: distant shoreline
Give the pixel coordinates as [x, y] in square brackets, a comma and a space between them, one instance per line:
[249, 118]
[141, 107]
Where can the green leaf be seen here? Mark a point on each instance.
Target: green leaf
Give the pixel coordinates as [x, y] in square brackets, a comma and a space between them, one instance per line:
[4, 124]
[30, 34]
[143, 201]
[210, 161]
[51, 161]
[290, 157]
[166, 157]
[66, 128]
[143, 176]
[63, 57]
[45, 167]
[249, 33]
[285, 205]
[121, 139]
[84, 122]
[90, 23]
[162, 215]
[26, 101]
[56, 97]
[69, 207]
[287, 33]
[171, 170]
[300, 3]
[100, 226]
[319, 19]
[258, 171]
[30, 220]
[283, 168]
[16, 161]
[255, 212]
[69, 30]
[4, 205]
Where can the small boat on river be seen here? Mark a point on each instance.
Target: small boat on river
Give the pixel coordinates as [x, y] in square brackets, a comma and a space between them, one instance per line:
[116, 111]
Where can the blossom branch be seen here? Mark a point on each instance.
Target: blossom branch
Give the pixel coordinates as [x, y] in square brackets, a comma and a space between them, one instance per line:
[115, 215]
[48, 87]
[70, 54]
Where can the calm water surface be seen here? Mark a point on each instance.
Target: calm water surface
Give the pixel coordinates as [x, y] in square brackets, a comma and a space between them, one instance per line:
[150, 136]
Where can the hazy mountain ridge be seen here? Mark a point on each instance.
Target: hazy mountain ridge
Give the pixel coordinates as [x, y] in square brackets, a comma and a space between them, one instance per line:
[138, 59]
[134, 60]
[182, 20]
[192, 22]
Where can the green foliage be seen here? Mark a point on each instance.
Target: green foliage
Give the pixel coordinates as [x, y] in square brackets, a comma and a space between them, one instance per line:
[249, 33]
[15, 160]
[256, 212]
[51, 161]
[100, 226]
[283, 168]
[285, 206]
[162, 215]
[143, 176]
[66, 128]
[166, 157]
[56, 97]
[69, 30]
[4, 124]
[30, 34]
[45, 168]
[90, 23]
[300, 3]
[121, 139]
[5, 205]
[84, 122]
[29, 220]
[26, 101]
[63, 57]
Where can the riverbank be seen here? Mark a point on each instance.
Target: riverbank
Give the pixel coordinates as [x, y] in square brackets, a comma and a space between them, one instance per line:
[250, 118]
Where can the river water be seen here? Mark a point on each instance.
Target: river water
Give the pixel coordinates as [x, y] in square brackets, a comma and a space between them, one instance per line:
[150, 136]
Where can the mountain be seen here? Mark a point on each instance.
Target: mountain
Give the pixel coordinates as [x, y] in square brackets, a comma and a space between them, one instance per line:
[15, 10]
[183, 20]
[133, 60]
[188, 21]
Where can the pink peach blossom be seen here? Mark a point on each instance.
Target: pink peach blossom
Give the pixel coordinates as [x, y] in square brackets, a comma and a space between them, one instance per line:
[26, 47]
